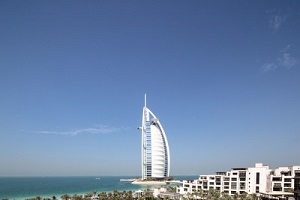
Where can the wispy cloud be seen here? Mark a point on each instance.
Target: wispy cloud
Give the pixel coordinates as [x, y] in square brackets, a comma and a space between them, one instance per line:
[276, 21]
[100, 129]
[284, 60]
[268, 67]
[284, 50]
[287, 61]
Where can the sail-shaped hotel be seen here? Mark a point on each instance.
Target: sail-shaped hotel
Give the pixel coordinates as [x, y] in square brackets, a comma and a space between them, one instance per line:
[155, 147]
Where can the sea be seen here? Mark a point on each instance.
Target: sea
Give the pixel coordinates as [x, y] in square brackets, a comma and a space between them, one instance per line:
[47, 187]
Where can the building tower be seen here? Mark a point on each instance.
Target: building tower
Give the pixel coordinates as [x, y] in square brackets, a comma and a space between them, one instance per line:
[155, 147]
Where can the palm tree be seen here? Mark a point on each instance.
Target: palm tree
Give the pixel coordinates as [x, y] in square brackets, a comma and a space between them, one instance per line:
[65, 197]
[253, 196]
[235, 196]
[116, 194]
[189, 196]
[225, 196]
[76, 197]
[243, 196]
[199, 194]
[213, 194]
[130, 195]
[102, 195]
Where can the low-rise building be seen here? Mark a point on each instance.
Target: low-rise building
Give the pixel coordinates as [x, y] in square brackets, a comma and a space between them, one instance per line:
[259, 180]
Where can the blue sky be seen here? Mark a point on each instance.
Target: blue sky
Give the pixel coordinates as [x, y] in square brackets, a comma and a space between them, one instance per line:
[223, 77]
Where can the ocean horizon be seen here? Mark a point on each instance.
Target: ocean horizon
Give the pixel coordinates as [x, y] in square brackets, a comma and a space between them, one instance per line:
[24, 187]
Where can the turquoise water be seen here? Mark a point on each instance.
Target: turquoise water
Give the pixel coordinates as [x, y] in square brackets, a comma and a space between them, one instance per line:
[26, 187]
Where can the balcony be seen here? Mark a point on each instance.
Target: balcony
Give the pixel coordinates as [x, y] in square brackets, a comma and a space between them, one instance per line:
[286, 173]
[276, 179]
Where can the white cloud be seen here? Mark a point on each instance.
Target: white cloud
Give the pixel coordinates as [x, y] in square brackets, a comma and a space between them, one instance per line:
[276, 21]
[284, 60]
[100, 129]
[284, 50]
[268, 67]
[287, 61]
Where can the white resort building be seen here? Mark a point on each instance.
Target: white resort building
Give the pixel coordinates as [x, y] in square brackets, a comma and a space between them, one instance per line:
[259, 180]
[155, 147]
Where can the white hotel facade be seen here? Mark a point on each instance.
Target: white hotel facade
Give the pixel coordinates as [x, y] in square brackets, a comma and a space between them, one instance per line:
[155, 147]
[260, 180]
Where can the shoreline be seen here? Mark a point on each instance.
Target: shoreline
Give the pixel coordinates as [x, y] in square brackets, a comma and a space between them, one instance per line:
[20, 188]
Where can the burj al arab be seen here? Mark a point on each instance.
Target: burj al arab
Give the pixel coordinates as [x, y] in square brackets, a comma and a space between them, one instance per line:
[155, 147]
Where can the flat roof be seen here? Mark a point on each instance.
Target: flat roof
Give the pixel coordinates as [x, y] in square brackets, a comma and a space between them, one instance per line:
[239, 168]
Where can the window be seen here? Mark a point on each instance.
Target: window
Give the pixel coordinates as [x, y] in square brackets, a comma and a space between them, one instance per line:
[287, 185]
[277, 187]
[242, 186]
[288, 190]
[242, 174]
[257, 189]
[288, 180]
[257, 177]
[234, 173]
[233, 185]
[233, 179]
